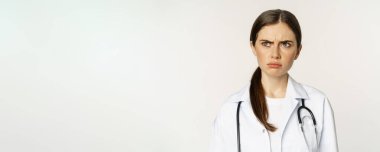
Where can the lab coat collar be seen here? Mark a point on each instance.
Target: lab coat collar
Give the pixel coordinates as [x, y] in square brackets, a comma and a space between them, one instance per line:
[293, 90]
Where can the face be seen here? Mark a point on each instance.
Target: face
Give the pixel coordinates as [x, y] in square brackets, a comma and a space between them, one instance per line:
[275, 49]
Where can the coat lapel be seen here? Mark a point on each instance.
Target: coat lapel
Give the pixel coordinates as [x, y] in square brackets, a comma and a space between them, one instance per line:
[294, 92]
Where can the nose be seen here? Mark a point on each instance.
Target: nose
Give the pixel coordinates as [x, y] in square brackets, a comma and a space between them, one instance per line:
[276, 53]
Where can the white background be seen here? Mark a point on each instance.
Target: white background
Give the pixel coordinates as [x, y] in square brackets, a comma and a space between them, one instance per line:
[150, 76]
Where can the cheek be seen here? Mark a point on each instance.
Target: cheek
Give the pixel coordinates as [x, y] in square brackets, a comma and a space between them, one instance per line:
[261, 54]
[290, 54]
[261, 57]
[289, 59]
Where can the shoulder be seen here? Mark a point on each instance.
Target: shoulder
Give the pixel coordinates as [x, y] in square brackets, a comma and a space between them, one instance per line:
[313, 92]
[230, 103]
[241, 95]
[318, 99]
[313, 96]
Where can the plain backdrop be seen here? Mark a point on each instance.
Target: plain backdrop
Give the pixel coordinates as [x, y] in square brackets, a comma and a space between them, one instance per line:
[150, 75]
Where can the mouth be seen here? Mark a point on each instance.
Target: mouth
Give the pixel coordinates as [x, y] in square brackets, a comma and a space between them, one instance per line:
[274, 65]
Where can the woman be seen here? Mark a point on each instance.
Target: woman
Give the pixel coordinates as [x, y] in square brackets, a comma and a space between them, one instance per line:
[274, 113]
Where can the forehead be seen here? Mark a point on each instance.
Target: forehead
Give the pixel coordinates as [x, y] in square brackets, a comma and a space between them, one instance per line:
[279, 31]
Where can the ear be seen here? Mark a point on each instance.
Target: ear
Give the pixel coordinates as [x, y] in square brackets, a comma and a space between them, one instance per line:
[253, 48]
[298, 52]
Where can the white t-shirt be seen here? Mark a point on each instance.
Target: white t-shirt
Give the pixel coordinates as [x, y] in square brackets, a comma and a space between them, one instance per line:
[279, 110]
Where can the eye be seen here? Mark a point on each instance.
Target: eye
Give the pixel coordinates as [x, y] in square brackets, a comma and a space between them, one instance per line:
[286, 44]
[266, 44]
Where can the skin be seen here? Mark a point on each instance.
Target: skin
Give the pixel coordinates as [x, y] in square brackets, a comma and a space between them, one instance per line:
[275, 43]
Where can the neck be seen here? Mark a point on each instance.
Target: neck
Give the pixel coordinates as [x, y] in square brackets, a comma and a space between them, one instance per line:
[274, 87]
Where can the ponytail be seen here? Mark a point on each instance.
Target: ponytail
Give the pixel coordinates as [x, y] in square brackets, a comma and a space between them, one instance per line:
[258, 102]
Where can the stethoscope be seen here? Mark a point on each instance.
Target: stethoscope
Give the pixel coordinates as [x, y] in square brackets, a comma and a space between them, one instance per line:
[300, 121]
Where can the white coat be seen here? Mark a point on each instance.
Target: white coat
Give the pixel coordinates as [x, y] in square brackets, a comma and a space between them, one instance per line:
[253, 135]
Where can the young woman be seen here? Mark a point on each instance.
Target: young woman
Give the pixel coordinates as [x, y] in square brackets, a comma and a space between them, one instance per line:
[274, 113]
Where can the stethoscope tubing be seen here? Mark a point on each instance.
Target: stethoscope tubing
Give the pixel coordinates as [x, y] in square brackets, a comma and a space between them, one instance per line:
[298, 114]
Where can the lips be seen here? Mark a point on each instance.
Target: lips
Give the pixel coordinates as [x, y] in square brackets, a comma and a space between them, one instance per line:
[274, 65]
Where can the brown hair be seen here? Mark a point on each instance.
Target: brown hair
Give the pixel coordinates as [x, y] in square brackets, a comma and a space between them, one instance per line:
[257, 94]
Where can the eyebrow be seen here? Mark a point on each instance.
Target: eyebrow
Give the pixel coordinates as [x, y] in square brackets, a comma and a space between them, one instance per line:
[285, 41]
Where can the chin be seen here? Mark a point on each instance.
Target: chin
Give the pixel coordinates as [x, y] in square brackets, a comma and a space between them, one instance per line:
[276, 73]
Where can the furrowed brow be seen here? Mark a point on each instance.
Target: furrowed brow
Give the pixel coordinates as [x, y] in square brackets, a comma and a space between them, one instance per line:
[286, 41]
[264, 40]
